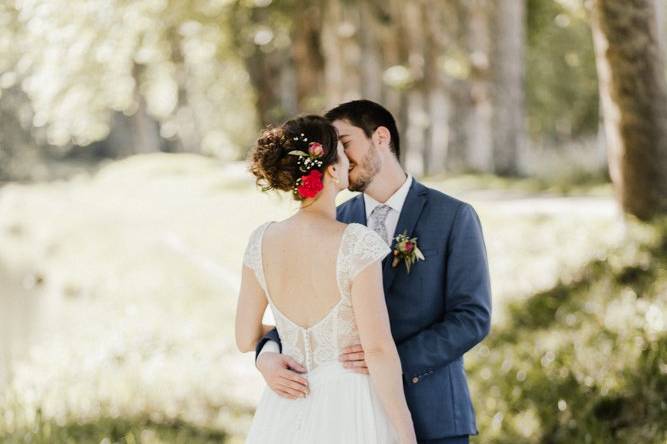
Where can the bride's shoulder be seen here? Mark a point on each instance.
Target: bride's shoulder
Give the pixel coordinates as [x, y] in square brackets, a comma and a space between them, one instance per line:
[361, 233]
[258, 230]
[361, 228]
[356, 228]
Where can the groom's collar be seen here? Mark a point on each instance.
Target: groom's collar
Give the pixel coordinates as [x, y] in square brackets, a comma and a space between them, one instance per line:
[395, 201]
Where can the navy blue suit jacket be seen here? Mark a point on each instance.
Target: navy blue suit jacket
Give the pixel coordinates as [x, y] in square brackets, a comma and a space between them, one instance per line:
[438, 311]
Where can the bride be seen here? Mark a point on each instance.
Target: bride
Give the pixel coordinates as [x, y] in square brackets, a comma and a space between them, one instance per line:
[322, 280]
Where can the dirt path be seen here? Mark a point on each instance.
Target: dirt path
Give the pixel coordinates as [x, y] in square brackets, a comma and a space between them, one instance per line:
[19, 317]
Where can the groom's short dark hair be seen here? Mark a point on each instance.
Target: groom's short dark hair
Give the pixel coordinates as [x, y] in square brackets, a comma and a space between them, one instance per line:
[368, 116]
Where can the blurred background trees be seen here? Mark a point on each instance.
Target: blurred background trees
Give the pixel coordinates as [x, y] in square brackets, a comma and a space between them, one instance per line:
[476, 85]
[502, 87]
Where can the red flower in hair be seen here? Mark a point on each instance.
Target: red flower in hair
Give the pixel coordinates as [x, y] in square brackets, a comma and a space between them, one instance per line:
[311, 184]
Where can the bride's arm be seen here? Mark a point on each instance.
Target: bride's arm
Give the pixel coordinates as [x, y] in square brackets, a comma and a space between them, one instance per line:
[267, 328]
[383, 362]
[249, 312]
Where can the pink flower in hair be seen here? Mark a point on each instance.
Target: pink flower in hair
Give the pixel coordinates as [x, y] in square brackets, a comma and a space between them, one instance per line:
[315, 149]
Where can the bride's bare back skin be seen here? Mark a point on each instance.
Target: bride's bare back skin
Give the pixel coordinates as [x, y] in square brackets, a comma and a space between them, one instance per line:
[303, 245]
[299, 256]
[297, 248]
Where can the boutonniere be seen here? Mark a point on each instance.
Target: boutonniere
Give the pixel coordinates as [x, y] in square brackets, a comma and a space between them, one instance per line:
[406, 250]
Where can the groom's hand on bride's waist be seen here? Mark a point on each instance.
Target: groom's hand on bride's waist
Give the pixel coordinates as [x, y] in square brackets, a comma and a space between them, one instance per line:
[281, 373]
[353, 358]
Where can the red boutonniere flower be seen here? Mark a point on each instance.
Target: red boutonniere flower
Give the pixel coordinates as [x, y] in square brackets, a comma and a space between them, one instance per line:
[310, 184]
[406, 250]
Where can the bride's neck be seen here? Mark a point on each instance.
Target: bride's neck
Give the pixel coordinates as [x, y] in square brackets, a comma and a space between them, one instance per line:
[323, 206]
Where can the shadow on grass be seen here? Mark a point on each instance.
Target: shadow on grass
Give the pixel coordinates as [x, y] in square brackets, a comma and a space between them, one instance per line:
[116, 430]
[585, 361]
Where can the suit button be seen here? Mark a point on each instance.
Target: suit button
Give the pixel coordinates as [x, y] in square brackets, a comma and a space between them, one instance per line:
[415, 380]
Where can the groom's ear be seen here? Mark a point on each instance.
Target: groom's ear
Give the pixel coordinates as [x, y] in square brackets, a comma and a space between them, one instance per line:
[382, 137]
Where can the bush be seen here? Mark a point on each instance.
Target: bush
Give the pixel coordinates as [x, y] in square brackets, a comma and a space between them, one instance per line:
[585, 361]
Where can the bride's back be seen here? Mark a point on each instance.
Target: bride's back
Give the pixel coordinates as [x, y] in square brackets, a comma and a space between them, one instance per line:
[306, 269]
[299, 260]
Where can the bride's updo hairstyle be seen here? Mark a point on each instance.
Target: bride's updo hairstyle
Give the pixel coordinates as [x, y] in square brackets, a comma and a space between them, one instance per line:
[293, 157]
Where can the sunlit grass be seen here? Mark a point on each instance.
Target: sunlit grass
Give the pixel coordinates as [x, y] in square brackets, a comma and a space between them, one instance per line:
[108, 430]
[138, 269]
[584, 361]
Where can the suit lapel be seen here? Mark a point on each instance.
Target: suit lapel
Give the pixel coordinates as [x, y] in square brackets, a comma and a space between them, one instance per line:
[412, 209]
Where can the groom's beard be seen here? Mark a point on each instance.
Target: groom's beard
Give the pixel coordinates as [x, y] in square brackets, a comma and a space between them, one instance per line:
[366, 170]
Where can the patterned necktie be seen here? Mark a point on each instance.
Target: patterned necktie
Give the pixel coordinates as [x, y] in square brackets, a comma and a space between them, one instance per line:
[379, 216]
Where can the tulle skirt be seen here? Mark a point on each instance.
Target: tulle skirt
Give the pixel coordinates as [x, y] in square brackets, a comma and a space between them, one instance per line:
[342, 407]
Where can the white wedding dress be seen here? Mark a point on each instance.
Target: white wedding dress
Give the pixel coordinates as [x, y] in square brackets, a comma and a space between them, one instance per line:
[342, 406]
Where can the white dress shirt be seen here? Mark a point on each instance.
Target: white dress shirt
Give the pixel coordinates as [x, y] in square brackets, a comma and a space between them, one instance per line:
[396, 202]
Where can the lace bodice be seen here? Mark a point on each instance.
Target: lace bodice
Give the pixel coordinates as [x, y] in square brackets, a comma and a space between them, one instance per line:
[323, 342]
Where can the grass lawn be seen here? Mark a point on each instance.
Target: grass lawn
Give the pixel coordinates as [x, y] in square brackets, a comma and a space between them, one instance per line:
[121, 291]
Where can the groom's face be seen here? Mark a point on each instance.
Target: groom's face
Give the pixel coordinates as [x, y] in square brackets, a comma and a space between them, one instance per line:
[364, 157]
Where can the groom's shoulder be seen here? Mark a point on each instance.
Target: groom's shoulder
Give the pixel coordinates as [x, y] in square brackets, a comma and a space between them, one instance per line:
[442, 200]
[345, 207]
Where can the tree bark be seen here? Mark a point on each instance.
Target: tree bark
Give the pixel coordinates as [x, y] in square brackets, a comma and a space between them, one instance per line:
[438, 106]
[308, 58]
[395, 51]
[661, 24]
[479, 139]
[632, 87]
[341, 46]
[417, 123]
[508, 67]
[371, 63]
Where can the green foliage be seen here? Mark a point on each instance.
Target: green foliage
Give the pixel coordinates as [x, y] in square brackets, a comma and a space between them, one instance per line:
[116, 430]
[187, 64]
[561, 79]
[585, 361]
[82, 60]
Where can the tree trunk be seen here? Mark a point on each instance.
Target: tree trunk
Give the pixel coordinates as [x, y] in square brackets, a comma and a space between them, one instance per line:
[266, 64]
[438, 106]
[632, 86]
[508, 67]
[371, 62]
[479, 139]
[661, 25]
[308, 57]
[415, 132]
[137, 133]
[341, 46]
[394, 53]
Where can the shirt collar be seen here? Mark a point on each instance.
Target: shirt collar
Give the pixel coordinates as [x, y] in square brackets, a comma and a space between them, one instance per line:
[395, 201]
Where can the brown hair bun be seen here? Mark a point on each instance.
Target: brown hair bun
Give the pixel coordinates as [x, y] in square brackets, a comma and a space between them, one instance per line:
[270, 162]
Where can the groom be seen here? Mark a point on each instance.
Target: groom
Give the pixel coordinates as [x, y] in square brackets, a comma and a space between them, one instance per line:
[439, 310]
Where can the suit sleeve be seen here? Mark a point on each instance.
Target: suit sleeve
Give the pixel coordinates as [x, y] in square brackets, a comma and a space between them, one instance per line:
[467, 297]
[270, 336]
